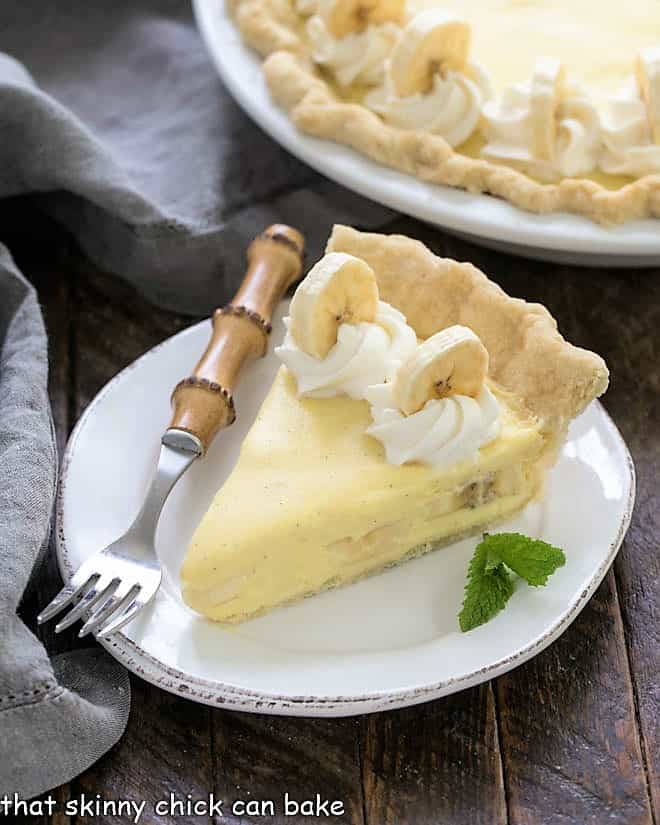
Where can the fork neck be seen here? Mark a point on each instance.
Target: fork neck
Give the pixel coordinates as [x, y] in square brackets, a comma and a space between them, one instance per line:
[178, 451]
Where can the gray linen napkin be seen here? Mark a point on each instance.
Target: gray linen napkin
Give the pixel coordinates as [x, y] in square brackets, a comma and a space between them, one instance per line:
[112, 117]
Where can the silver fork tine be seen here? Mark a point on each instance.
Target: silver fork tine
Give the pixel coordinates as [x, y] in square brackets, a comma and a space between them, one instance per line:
[79, 585]
[101, 590]
[117, 623]
[120, 599]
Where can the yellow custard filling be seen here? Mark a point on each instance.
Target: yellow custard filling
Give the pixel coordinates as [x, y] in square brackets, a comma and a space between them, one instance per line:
[596, 40]
[312, 503]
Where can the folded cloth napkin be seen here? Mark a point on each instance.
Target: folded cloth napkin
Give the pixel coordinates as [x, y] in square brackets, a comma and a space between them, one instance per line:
[113, 119]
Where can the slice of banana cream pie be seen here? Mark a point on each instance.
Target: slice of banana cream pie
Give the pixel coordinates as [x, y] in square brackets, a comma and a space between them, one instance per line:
[416, 403]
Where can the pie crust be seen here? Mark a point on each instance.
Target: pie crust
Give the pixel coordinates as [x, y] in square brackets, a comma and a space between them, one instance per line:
[274, 29]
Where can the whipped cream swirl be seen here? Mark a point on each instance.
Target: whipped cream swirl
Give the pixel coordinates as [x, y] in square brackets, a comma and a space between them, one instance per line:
[629, 147]
[508, 127]
[451, 109]
[365, 354]
[443, 432]
[356, 58]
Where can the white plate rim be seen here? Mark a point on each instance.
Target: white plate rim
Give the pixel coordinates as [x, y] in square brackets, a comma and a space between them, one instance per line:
[216, 693]
[479, 216]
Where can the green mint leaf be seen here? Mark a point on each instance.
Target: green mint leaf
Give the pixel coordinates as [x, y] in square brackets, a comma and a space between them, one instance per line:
[532, 559]
[486, 592]
[489, 587]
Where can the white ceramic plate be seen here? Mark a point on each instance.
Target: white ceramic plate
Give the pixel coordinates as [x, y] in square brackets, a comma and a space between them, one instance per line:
[562, 237]
[389, 641]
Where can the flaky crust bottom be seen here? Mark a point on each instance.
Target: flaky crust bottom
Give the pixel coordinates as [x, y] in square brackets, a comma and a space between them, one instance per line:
[274, 29]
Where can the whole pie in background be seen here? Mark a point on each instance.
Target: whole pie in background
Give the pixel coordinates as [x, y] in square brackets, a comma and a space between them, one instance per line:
[417, 403]
[554, 106]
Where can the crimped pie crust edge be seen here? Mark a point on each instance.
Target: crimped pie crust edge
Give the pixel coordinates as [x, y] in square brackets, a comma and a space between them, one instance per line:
[271, 27]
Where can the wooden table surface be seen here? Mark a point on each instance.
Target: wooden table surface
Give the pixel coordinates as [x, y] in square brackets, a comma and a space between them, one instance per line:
[573, 736]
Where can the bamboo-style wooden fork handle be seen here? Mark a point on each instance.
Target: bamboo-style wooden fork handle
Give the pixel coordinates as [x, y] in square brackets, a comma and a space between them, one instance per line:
[203, 403]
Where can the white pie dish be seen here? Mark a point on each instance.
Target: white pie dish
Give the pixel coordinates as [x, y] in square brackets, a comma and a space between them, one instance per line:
[560, 237]
[388, 641]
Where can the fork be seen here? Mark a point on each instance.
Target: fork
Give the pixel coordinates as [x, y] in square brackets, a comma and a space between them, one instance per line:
[116, 583]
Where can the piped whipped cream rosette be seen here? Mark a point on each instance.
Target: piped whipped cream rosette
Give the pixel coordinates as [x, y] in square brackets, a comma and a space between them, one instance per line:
[631, 125]
[548, 127]
[353, 38]
[439, 409]
[429, 83]
[340, 337]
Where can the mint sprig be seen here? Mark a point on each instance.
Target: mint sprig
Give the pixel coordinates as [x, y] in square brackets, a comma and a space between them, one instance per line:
[489, 585]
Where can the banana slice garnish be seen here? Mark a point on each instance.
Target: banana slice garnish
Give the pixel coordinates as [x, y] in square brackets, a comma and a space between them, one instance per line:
[451, 362]
[433, 41]
[339, 289]
[547, 90]
[343, 17]
[647, 70]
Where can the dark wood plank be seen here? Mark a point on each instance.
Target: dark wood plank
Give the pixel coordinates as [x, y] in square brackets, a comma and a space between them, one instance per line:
[113, 326]
[638, 573]
[605, 777]
[435, 764]
[263, 757]
[622, 321]
[626, 328]
[164, 755]
[570, 745]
